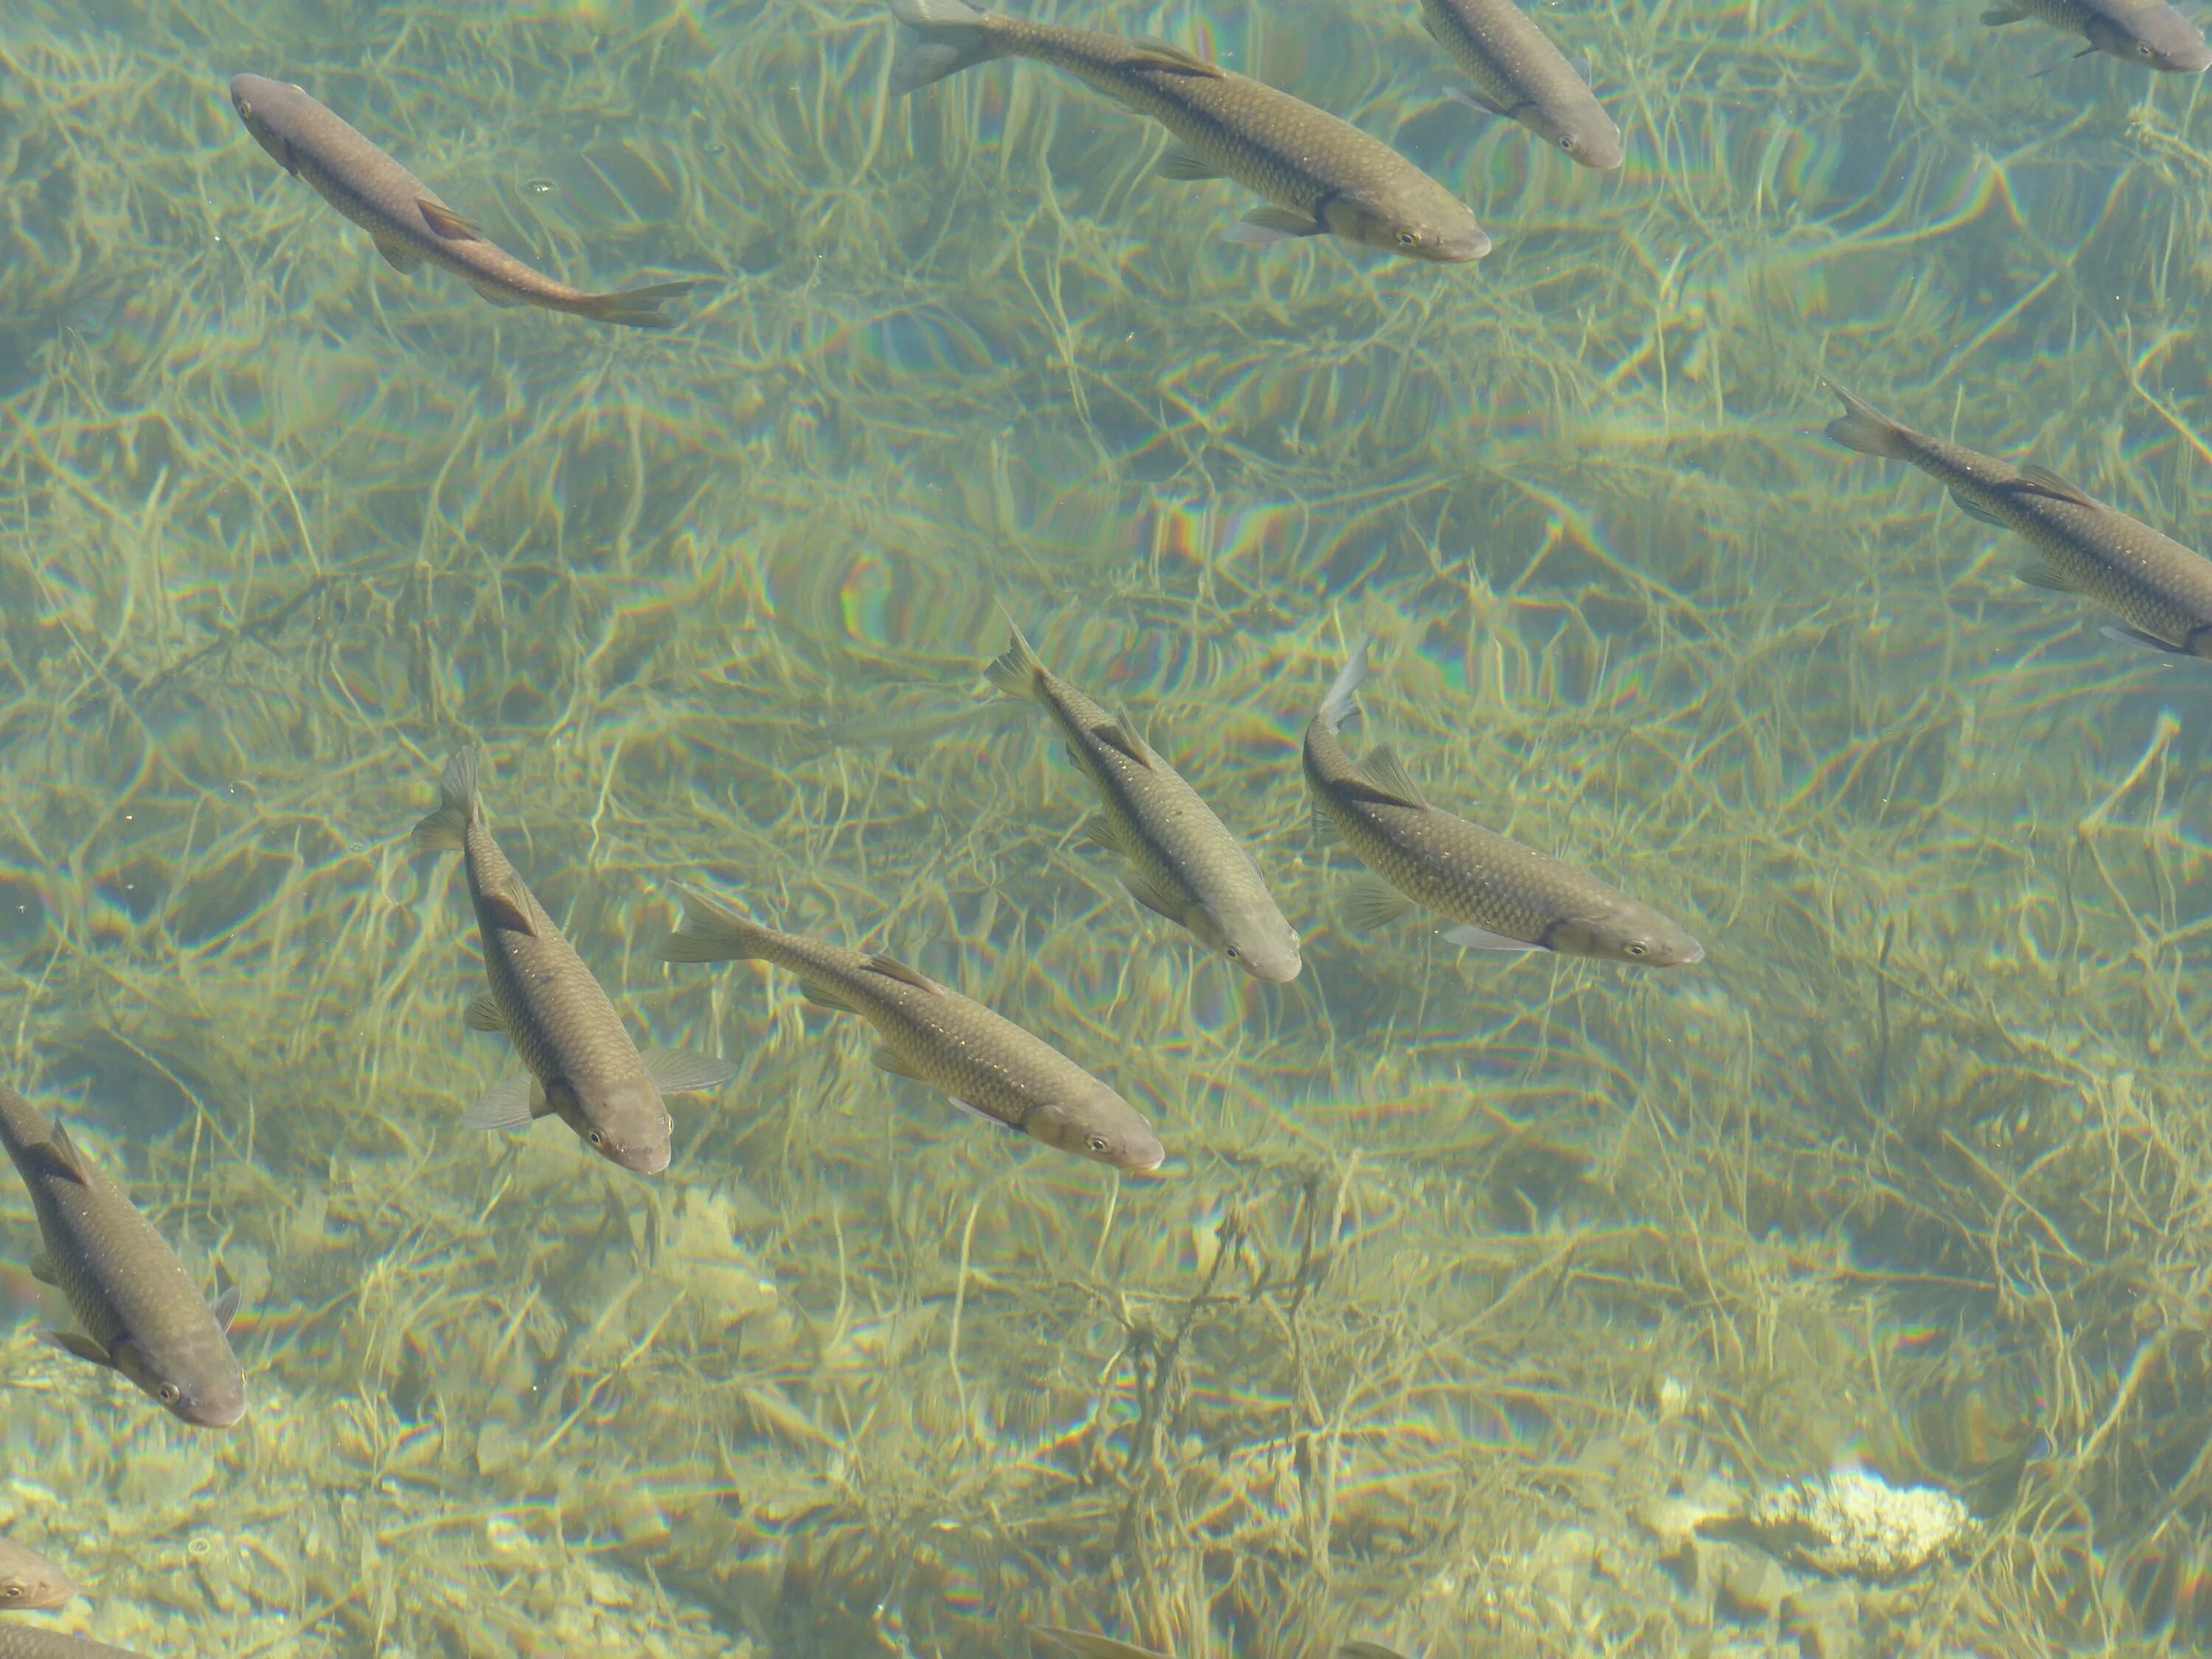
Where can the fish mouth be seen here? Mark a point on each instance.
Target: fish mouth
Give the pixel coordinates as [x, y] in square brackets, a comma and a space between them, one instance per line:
[213, 1413]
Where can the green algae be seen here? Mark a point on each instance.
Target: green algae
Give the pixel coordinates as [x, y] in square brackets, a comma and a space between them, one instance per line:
[1459, 1260]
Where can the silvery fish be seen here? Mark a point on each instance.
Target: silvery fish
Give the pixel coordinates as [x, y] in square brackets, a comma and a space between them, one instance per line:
[21, 1641]
[989, 1066]
[1321, 176]
[407, 220]
[1182, 860]
[1503, 897]
[2160, 589]
[2146, 32]
[142, 1314]
[30, 1582]
[583, 1065]
[1520, 75]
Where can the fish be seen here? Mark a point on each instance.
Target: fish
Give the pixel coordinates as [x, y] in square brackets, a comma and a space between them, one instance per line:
[2159, 589]
[1503, 895]
[1520, 75]
[21, 1641]
[1321, 176]
[1181, 861]
[990, 1067]
[1093, 1647]
[141, 1312]
[30, 1583]
[2146, 32]
[584, 1066]
[408, 222]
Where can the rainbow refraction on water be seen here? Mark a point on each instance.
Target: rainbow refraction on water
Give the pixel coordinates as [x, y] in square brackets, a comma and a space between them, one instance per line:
[1413, 1286]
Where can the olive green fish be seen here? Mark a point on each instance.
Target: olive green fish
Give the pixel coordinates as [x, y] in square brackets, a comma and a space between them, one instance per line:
[2160, 589]
[990, 1067]
[142, 1314]
[583, 1065]
[1520, 75]
[1321, 176]
[407, 220]
[1093, 1647]
[1182, 860]
[21, 1641]
[1503, 897]
[30, 1583]
[2148, 32]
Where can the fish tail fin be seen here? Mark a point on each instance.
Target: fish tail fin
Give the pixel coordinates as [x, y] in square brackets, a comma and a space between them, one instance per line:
[445, 829]
[1865, 428]
[936, 38]
[1019, 671]
[715, 931]
[1336, 707]
[635, 308]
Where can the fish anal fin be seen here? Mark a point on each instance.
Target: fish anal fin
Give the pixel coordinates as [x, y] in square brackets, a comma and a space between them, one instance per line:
[2045, 481]
[1974, 509]
[1371, 904]
[1160, 55]
[73, 1342]
[483, 1013]
[1186, 165]
[901, 972]
[1382, 768]
[401, 257]
[447, 223]
[1147, 892]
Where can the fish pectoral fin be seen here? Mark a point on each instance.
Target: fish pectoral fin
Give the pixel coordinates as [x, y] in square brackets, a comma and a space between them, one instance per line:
[506, 1105]
[1475, 98]
[1975, 510]
[1147, 892]
[1161, 55]
[1121, 738]
[2042, 575]
[1272, 224]
[483, 1013]
[2134, 636]
[980, 1115]
[888, 1060]
[685, 1071]
[2043, 481]
[225, 1309]
[822, 997]
[1100, 830]
[83, 1346]
[447, 223]
[901, 972]
[1371, 904]
[401, 257]
[1481, 938]
[42, 1269]
[505, 906]
[1186, 165]
[1382, 768]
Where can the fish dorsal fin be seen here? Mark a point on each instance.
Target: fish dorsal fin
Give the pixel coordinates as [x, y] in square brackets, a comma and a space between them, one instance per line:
[447, 223]
[509, 907]
[60, 1157]
[1382, 768]
[1121, 738]
[1159, 54]
[225, 1310]
[2047, 483]
[901, 972]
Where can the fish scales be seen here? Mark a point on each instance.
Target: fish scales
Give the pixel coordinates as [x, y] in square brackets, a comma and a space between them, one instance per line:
[2160, 588]
[30, 1582]
[19, 1641]
[1519, 74]
[1485, 881]
[1185, 863]
[140, 1311]
[935, 1034]
[1324, 172]
[408, 222]
[2150, 33]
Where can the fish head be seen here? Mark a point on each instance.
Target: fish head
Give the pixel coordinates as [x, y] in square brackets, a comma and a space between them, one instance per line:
[2157, 36]
[1629, 932]
[1424, 221]
[627, 1124]
[30, 1583]
[257, 98]
[1586, 136]
[1254, 937]
[1102, 1127]
[204, 1388]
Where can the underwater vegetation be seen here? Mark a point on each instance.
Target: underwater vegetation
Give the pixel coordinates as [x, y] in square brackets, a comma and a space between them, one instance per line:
[1477, 1295]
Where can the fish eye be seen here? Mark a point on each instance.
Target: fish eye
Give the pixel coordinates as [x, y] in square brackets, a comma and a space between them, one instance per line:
[1099, 1143]
[597, 1139]
[11, 1592]
[1637, 948]
[245, 107]
[1567, 142]
[1407, 238]
[171, 1393]
[1233, 955]
[2144, 49]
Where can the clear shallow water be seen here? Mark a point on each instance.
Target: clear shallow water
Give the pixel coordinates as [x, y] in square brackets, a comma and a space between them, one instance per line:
[1457, 1263]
